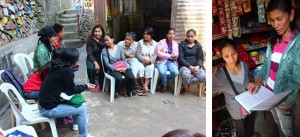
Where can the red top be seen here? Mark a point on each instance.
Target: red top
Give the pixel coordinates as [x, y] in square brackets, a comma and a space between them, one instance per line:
[33, 83]
[56, 44]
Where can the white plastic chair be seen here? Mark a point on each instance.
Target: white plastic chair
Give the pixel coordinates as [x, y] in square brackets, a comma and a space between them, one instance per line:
[0, 75]
[155, 79]
[29, 114]
[31, 54]
[23, 128]
[20, 58]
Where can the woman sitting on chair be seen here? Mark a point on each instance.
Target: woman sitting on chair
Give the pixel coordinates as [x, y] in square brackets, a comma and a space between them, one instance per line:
[60, 79]
[191, 60]
[114, 60]
[167, 53]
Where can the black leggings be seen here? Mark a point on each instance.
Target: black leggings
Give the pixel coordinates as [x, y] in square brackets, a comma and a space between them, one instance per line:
[245, 127]
[130, 80]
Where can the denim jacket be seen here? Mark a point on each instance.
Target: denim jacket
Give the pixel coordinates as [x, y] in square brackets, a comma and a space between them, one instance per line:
[288, 73]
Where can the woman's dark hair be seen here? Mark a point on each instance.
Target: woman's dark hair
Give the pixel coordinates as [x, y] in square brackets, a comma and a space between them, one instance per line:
[70, 55]
[227, 42]
[150, 31]
[170, 30]
[45, 40]
[57, 27]
[91, 37]
[110, 35]
[56, 53]
[182, 133]
[131, 34]
[191, 30]
[284, 6]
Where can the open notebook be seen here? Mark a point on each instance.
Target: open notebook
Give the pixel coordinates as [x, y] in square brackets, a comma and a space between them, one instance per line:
[264, 99]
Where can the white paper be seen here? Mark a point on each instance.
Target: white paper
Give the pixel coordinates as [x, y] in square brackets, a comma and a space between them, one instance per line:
[248, 100]
[270, 102]
[65, 96]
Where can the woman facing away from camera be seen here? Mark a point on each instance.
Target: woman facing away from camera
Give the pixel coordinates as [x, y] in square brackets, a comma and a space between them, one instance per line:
[94, 46]
[239, 74]
[60, 79]
[280, 70]
[190, 61]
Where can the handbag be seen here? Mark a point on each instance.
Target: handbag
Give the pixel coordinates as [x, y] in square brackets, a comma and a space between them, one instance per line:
[75, 101]
[244, 112]
[118, 64]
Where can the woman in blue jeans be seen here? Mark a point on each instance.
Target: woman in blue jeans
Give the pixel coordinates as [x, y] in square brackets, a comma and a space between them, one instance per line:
[167, 53]
[60, 79]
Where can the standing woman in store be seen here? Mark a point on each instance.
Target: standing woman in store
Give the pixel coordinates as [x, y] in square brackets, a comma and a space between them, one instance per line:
[280, 70]
[94, 46]
[146, 54]
[167, 53]
[191, 60]
[239, 74]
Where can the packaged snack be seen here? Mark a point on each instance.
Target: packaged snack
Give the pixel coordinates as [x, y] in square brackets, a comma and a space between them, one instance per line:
[232, 3]
[226, 3]
[246, 6]
[234, 11]
[221, 12]
[227, 13]
[224, 31]
[229, 31]
[228, 23]
[240, 9]
[236, 32]
[261, 11]
[222, 21]
[220, 3]
[214, 3]
[235, 21]
[214, 11]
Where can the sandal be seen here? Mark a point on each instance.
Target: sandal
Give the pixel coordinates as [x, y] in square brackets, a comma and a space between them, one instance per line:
[139, 92]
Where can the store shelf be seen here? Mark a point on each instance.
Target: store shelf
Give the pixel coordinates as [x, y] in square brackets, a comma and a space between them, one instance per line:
[219, 108]
[219, 36]
[256, 30]
[257, 46]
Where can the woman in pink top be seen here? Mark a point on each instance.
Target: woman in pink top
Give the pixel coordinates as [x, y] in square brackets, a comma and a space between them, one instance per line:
[167, 53]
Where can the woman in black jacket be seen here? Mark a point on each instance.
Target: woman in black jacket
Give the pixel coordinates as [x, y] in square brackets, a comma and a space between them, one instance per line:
[94, 46]
[60, 78]
[190, 60]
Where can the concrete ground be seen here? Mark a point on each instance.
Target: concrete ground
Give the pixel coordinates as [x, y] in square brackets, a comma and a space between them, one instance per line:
[139, 116]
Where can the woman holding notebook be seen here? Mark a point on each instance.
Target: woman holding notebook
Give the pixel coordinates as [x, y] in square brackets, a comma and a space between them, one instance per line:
[280, 70]
[233, 79]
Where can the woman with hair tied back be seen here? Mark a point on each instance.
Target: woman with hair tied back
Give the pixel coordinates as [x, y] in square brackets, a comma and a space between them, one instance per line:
[112, 55]
[60, 79]
[43, 51]
[182, 133]
[280, 70]
[239, 74]
[190, 61]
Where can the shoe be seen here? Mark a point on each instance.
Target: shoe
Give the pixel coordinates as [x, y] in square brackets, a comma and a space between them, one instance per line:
[116, 95]
[98, 88]
[75, 127]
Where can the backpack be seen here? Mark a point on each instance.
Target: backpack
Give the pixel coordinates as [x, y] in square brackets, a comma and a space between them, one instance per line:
[8, 76]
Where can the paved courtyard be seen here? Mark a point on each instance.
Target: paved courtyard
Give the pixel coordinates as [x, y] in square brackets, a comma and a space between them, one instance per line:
[139, 116]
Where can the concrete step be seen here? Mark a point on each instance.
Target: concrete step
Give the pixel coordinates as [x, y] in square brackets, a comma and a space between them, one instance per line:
[67, 20]
[70, 27]
[68, 16]
[71, 35]
[74, 43]
[70, 11]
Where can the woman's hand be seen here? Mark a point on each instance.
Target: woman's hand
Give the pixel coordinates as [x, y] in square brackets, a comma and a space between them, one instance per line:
[90, 87]
[253, 87]
[97, 40]
[97, 67]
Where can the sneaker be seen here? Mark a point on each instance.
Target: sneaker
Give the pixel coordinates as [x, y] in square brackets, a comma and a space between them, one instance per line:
[75, 127]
